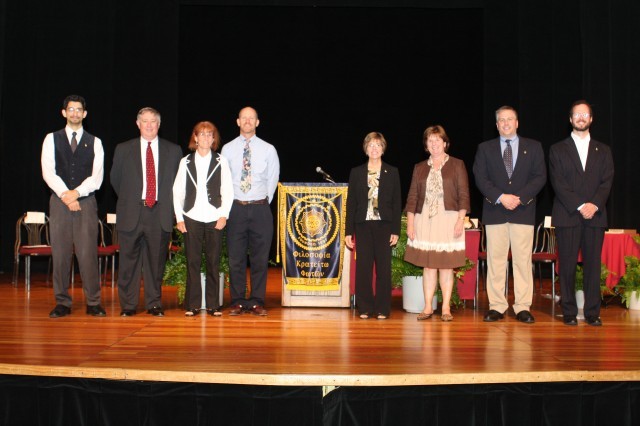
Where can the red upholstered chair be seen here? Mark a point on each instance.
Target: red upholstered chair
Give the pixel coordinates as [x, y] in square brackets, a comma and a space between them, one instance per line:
[108, 247]
[545, 252]
[174, 243]
[32, 240]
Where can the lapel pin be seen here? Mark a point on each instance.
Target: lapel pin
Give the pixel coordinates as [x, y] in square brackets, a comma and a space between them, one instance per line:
[525, 151]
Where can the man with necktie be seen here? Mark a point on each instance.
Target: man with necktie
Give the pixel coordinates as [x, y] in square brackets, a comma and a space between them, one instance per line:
[509, 172]
[581, 172]
[255, 170]
[73, 168]
[142, 175]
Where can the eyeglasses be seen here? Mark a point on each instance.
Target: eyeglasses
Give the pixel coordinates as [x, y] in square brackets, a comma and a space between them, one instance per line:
[581, 115]
[506, 120]
[205, 134]
[72, 110]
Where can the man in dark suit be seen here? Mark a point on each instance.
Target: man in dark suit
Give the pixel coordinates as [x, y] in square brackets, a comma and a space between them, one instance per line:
[142, 175]
[509, 171]
[581, 171]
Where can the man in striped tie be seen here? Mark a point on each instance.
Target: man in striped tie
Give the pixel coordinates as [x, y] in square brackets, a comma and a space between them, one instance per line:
[509, 171]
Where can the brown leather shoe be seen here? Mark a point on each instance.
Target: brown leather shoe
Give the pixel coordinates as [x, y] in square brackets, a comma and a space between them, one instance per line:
[236, 310]
[259, 310]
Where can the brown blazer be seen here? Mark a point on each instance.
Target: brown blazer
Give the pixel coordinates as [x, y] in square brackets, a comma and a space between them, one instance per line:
[455, 185]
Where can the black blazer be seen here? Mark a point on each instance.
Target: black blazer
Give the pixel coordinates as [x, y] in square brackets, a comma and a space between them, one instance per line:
[574, 186]
[127, 181]
[389, 204]
[527, 179]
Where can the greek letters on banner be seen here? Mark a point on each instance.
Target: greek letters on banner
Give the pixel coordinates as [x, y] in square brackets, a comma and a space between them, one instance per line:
[311, 234]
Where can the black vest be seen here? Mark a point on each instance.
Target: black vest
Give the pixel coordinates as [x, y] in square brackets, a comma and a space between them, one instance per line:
[73, 167]
[214, 181]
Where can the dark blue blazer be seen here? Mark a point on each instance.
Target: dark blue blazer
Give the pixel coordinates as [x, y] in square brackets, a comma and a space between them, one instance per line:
[574, 186]
[528, 178]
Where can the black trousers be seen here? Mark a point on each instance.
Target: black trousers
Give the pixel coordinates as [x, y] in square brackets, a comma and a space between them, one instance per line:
[145, 249]
[570, 241]
[201, 235]
[373, 248]
[249, 230]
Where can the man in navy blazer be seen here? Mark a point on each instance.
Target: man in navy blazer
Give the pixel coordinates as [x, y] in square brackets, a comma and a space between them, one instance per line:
[509, 171]
[581, 171]
[144, 213]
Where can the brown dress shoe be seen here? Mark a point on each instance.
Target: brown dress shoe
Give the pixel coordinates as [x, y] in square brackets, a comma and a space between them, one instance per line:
[259, 310]
[236, 310]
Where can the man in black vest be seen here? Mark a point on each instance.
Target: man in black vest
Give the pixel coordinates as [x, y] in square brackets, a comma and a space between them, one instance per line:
[73, 167]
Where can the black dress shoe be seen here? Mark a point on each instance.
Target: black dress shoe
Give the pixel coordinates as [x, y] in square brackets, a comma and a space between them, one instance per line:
[594, 321]
[59, 311]
[569, 320]
[525, 317]
[127, 312]
[493, 316]
[96, 311]
[217, 312]
[156, 311]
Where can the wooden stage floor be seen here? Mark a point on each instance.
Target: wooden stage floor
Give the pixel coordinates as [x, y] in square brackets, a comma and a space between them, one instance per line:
[309, 346]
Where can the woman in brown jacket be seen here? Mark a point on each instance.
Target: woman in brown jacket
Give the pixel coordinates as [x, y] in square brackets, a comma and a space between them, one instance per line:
[437, 204]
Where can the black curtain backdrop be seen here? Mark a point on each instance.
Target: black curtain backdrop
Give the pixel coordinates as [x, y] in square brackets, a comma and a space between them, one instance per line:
[321, 74]
[27, 400]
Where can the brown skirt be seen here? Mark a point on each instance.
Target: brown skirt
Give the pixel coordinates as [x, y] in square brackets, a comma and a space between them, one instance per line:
[435, 246]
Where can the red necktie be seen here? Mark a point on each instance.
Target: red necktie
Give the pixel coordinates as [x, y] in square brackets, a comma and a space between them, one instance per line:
[150, 198]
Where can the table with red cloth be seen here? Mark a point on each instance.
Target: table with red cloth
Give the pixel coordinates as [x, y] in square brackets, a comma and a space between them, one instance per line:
[467, 285]
[614, 248]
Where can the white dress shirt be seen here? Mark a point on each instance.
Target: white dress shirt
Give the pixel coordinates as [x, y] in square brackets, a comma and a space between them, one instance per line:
[265, 168]
[582, 145]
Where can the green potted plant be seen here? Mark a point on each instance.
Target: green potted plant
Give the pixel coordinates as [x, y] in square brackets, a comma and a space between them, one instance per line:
[604, 290]
[175, 270]
[408, 276]
[629, 285]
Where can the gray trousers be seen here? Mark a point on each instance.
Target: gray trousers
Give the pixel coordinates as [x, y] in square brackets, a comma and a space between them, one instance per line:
[74, 233]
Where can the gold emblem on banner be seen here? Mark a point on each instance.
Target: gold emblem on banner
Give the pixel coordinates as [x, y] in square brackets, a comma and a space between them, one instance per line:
[313, 222]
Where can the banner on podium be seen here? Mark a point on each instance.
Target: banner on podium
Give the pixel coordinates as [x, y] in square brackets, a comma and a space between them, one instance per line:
[310, 234]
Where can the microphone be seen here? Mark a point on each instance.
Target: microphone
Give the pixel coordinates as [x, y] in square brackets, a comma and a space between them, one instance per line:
[324, 174]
